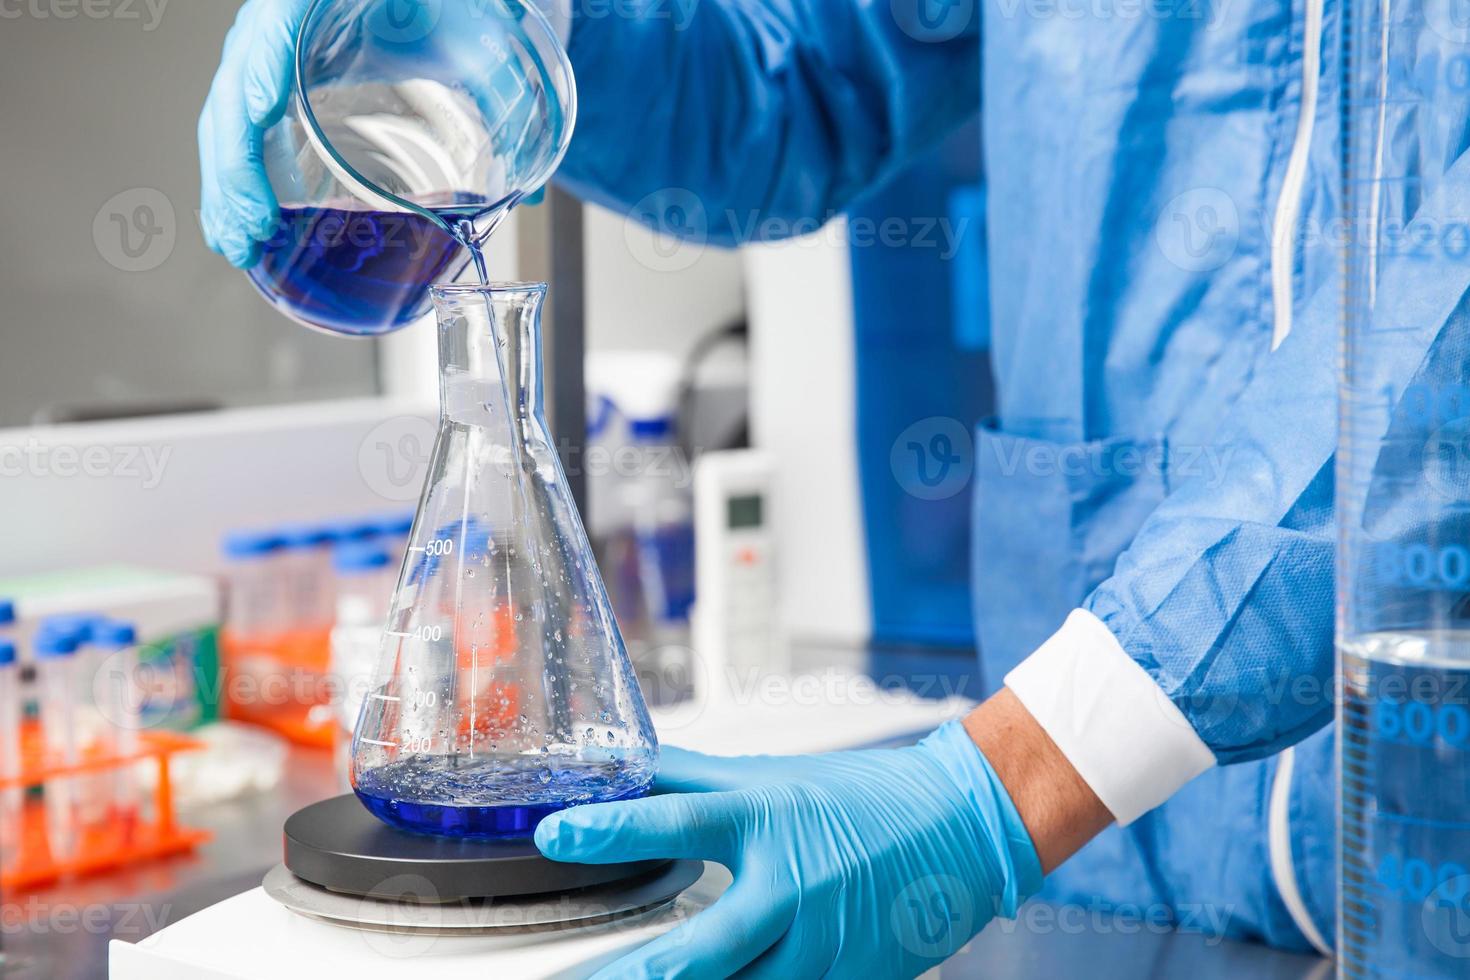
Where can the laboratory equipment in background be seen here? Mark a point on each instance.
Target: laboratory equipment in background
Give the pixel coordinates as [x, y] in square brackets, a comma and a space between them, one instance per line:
[282, 591]
[123, 660]
[254, 657]
[641, 521]
[357, 529]
[411, 131]
[286, 930]
[659, 501]
[114, 674]
[10, 724]
[90, 692]
[304, 646]
[231, 760]
[737, 620]
[57, 680]
[1403, 498]
[306, 576]
[364, 587]
[621, 386]
[73, 804]
[176, 617]
[503, 691]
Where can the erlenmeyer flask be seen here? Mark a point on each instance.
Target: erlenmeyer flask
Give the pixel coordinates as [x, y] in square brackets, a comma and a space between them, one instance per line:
[503, 691]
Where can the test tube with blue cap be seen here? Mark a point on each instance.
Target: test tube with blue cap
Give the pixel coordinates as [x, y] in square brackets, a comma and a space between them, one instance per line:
[355, 529]
[79, 626]
[660, 503]
[256, 596]
[11, 797]
[307, 556]
[118, 695]
[55, 647]
[93, 717]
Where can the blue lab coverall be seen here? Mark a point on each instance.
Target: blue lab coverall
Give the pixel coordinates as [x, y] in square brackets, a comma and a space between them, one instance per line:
[1159, 178]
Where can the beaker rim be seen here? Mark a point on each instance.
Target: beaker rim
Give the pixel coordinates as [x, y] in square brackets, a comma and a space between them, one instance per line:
[369, 192]
[450, 289]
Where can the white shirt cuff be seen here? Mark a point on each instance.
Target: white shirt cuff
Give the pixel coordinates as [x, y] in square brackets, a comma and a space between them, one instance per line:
[1122, 734]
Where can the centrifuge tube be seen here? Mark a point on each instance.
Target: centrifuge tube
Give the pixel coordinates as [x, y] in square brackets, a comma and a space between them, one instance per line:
[10, 761]
[56, 677]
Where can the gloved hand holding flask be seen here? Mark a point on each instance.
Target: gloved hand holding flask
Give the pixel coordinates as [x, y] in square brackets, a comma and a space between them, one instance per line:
[877, 863]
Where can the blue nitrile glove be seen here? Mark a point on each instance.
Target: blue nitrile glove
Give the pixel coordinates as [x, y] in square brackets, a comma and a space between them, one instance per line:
[238, 208]
[877, 864]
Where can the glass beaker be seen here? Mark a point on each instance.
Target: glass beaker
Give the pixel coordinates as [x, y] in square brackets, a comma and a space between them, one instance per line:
[1403, 494]
[503, 691]
[412, 129]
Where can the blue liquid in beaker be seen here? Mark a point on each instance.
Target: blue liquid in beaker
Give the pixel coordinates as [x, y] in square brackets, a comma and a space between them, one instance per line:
[361, 273]
[497, 796]
[1405, 816]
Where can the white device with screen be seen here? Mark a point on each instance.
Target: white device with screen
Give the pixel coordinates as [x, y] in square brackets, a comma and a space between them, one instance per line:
[737, 620]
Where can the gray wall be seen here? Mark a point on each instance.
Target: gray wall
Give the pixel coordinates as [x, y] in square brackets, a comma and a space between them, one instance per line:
[95, 107]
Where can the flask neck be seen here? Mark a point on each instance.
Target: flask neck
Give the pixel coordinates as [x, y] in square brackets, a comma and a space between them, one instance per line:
[490, 351]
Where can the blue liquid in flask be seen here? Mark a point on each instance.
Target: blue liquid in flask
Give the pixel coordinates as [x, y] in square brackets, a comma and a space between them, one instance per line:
[1405, 820]
[494, 797]
[361, 273]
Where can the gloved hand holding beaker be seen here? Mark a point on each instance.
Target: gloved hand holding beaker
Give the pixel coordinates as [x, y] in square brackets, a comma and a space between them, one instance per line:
[326, 112]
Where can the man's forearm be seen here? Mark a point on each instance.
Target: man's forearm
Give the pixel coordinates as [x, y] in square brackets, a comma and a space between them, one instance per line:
[1059, 810]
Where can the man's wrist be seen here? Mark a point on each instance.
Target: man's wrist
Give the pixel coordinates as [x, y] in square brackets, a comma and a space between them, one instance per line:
[1059, 810]
[1002, 850]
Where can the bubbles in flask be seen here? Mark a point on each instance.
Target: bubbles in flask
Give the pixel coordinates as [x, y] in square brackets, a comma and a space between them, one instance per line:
[525, 724]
